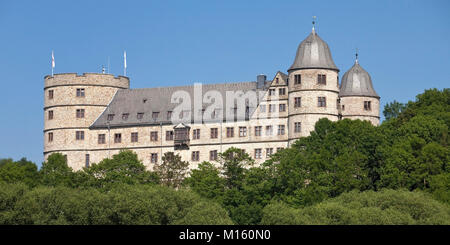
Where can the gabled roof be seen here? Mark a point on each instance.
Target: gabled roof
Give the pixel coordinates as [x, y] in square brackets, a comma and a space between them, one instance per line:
[149, 100]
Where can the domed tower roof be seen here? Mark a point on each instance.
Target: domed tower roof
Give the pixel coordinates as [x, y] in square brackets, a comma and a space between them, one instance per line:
[357, 82]
[313, 52]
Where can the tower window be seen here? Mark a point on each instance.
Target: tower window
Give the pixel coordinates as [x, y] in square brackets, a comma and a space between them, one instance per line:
[134, 137]
[154, 158]
[101, 139]
[50, 115]
[80, 92]
[50, 94]
[50, 137]
[154, 136]
[282, 91]
[338, 102]
[367, 105]
[79, 135]
[322, 79]
[297, 79]
[297, 127]
[195, 155]
[321, 101]
[258, 130]
[169, 135]
[343, 107]
[214, 133]
[80, 113]
[213, 155]
[297, 101]
[117, 138]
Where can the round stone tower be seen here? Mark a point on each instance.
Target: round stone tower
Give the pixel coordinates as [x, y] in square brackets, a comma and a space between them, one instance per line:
[71, 104]
[357, 96]
[313, 87]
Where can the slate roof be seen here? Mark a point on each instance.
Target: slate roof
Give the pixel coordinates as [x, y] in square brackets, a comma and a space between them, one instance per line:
[150, 100]
[357, 82]
[313, 52]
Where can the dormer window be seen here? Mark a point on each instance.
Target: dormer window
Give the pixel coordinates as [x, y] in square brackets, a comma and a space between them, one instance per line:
[155, 115]
[125, 116]
[110, 117]
[169, 115]
[322, 79]
[367, 106]
[140, 115]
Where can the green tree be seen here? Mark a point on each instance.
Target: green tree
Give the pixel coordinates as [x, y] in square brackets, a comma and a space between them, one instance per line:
[55, 171]
[19, 171]
[393, 109]
[233, 164]
[206, 181]
[172, 170]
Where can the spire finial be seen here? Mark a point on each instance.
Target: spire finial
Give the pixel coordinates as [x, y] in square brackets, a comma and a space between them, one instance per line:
[356, 55]
[314, 24]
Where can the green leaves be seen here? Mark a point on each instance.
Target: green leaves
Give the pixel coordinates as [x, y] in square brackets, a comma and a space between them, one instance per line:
[172, 170]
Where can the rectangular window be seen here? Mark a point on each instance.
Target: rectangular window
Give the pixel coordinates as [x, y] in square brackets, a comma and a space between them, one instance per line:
[262, 108]
[282, 107]
[79, 135]
[269, 130]
[258, 130]
[87, 162]
[50, 94]
[169, 135]
[230, 132]
[50, 137]
[272, 108]
[125, 116]
[155, 115]
[196, 134]
[214, 133]
[297, 79]
[321, 101]
[195, 156]
[154, 136]
[169, 115]
[343, 107]
[258, 153]
[50, 115]
[297, 127]
[110, 117]
[297, 101]
[322, 79]
[276, 80]
[154, 158]
[271, 92]
[242, 131]
[101, 139]
[281, 129]
[279, 149]
[213, 155]
[80, 113]
[134, 137]
[269, 152]
[140, 115]
[367, 106]
[80, 92]
[282, 91]
[338, 101]
[117, 138]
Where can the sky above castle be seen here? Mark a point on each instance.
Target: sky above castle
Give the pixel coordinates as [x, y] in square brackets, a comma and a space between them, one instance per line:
[404, 45]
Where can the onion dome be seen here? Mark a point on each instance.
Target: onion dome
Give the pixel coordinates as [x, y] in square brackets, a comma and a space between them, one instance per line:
[357, 82]
[313, 53]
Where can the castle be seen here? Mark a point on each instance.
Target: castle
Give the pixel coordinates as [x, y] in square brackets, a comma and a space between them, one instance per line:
[92, 116]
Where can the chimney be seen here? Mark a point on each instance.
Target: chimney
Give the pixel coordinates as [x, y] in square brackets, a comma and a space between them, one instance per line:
[261, 81]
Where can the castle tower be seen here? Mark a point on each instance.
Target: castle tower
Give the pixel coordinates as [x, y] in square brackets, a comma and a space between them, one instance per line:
[357, 97]
[313, 87]
[71, 104]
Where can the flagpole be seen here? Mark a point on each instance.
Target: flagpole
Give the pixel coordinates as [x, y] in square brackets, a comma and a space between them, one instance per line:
[53, 62]
[125, 63]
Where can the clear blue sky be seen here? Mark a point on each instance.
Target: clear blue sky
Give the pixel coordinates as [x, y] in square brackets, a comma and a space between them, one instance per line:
[404, 45]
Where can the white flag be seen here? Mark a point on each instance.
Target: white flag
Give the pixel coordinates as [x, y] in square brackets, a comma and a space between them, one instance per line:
[125, 59]
[53, 60]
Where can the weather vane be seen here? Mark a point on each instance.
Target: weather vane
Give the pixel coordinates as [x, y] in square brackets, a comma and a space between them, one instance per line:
[356, 54]
[314, 21]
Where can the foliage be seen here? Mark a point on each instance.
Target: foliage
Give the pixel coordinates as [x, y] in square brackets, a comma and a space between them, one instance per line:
[206, 181]
[385, 207]
[233, 163]
[55, 171]
[172, 170]
[22, 171]
[393, 109]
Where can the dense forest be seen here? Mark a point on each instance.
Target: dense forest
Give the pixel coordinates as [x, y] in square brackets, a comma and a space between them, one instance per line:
[345, 172]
